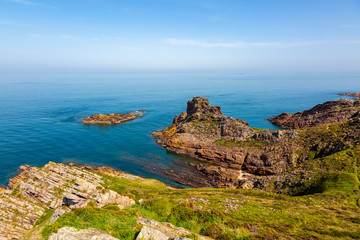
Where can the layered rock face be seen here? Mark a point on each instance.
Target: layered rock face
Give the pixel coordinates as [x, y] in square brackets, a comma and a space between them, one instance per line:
[245, 157]
[112, 118]
[329, 112]
[203, 132]
[55, 186]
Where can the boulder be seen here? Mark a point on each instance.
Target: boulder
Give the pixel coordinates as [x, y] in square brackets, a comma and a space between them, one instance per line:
[70, 233]
[148, 233]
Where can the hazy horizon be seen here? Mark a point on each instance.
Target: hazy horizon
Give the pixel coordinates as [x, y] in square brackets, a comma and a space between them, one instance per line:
[179, 35]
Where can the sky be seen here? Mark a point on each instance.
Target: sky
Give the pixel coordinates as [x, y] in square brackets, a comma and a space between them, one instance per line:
[118, 35]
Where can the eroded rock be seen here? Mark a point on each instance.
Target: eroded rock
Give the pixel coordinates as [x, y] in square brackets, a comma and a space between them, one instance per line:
[70, 233]
[112, 118]
[329, 112]
[35, 190]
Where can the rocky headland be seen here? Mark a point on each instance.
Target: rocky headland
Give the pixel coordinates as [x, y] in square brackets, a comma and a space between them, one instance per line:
[112, 118]
[329, 112]
[355, 95]
[244, 157]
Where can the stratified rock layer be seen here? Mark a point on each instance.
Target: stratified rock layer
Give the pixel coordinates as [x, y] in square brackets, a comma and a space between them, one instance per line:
[54, 186]
[245, 157]
[112, 118]
[204, 133]
[329, 112]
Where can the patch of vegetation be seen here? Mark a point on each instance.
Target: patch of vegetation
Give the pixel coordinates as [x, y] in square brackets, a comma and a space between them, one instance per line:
[240, 144]
[227, 213]
[118, 223]
[326, 205]
[46, 217]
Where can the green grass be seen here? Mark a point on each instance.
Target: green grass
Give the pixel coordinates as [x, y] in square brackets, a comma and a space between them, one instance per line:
[256, 215]
[116, 222]
[241, 144]
[328, 207]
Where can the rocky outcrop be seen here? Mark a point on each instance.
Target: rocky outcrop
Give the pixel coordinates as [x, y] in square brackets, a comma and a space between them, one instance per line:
[356, 94]
[56, 186]
[163, 231]
[239, 156]
[112, 118]
[70, 233]
[203, 132]
[329, 112]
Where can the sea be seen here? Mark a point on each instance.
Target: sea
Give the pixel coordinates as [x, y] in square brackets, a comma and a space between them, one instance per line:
[41, 113]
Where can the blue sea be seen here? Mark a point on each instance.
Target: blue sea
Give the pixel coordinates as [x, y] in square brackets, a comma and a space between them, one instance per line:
[40, 114]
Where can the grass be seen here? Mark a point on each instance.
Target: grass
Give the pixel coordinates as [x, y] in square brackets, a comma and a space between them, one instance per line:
[119, 223]
[241, 144]
[328, 207]
[253, 214]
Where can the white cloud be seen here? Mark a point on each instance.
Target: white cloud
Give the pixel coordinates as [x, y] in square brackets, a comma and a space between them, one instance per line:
[25, 2]
[242, 44]
[349, 26]
[11, 23]
[30, 3]
[63, 36]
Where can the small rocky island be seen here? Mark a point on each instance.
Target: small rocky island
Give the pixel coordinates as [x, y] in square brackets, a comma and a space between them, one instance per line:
[112, 118]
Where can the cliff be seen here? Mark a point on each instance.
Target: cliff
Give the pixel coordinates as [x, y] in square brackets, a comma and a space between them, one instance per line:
[59, 201]
[245, 157]
[322, 114]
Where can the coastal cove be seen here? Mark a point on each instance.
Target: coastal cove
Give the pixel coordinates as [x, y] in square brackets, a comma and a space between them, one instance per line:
[41, 114]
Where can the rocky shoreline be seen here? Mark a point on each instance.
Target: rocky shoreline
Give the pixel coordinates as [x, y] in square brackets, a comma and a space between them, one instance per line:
[320, 151]
[245, 157]
[112, 118]
[63, 189]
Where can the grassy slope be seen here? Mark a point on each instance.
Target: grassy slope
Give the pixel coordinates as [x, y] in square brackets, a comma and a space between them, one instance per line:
[328, 208]
[253, 214]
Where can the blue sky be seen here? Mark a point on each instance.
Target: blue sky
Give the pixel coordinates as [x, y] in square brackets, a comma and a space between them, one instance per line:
[116, 35]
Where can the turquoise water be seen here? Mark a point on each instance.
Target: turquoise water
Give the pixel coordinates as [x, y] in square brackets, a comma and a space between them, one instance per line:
[40, 114]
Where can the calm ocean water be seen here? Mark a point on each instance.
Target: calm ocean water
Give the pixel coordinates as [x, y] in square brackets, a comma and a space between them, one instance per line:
[40, 114]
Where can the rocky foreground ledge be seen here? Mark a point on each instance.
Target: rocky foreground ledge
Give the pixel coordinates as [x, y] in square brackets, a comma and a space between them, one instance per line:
[112, 118]
[65, 188]
[244, 157]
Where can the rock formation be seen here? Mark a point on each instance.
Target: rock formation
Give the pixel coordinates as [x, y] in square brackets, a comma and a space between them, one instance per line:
[112, 118]
[245, 157]
[163, 231]
[70, 233]
[356, 94]
[53, 186]
[206, 134]
[329, 112]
